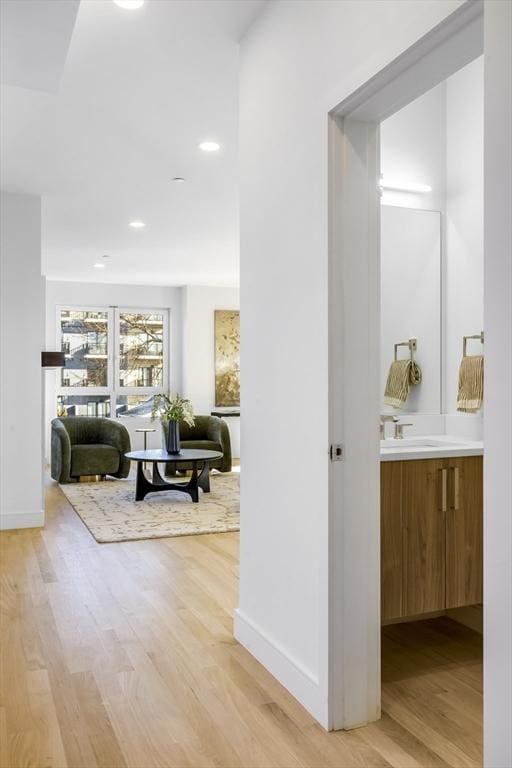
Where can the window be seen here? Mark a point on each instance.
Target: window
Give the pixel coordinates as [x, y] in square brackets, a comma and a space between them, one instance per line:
[84, 340]
[141, 348]
[134, 405]
[116, 360]
[83, 405]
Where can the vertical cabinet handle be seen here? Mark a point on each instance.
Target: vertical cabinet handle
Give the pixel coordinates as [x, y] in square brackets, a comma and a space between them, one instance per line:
[456, 485]
[444, 490]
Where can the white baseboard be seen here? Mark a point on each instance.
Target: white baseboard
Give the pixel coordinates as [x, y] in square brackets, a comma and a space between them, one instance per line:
[23, 519]
[290, 673]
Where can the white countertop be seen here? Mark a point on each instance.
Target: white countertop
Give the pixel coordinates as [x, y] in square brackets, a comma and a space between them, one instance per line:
[429, 447]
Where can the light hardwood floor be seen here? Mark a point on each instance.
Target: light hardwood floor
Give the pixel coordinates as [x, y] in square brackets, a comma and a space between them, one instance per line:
[120, 655]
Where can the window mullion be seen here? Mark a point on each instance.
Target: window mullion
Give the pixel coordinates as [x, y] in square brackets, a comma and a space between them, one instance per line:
[115, 357]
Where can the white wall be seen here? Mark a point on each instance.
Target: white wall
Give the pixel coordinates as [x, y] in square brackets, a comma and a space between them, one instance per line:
[22, 339]
[438, 140]
[105, 294]
[464, 232]
[298, 61]
[199, 305]
[411, 300]
[498, 409]
[413, 149]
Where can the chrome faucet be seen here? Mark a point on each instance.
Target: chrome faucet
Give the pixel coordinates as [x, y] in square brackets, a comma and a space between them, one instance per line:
[384, 417]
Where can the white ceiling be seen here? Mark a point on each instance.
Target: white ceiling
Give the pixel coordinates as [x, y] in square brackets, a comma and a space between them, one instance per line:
[34, 41]
[139, 90]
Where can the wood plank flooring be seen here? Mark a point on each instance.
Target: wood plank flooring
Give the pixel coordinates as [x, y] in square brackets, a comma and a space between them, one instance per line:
[122, 656]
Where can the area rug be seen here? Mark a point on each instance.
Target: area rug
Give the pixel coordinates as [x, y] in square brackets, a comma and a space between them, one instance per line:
[111, 514]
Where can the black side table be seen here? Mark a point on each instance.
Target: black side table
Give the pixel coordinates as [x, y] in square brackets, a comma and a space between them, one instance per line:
[145, 431]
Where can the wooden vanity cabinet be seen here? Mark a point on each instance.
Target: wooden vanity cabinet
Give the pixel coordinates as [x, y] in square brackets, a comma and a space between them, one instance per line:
[431, 535]
[464, 532]
[391, 548]
[424, 536]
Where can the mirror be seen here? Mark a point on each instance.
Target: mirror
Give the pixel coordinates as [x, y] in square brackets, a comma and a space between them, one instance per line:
[411, 300]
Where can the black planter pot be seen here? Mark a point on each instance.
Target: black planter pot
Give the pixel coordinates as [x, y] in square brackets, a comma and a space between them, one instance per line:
[173, 438]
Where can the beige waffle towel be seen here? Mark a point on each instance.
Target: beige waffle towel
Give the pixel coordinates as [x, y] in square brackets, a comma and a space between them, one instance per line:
[402, 374]
[471, 384]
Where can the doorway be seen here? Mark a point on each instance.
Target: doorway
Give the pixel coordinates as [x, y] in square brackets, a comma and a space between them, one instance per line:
[354, 351]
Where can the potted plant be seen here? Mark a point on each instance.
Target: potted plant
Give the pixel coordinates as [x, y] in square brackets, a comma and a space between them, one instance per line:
[171, 409]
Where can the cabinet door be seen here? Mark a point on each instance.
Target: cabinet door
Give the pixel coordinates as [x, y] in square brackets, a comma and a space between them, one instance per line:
[391, 539]
[464, 532]
[424, 503]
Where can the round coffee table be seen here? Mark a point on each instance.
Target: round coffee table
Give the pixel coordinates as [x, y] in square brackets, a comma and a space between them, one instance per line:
[200, 476]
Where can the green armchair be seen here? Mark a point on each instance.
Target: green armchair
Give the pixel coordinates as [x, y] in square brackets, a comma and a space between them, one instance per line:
[88, 446]
[209, 433]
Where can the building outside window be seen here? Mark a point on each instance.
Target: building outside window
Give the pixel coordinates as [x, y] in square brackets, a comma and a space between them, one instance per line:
[141, 344]
[116, 360]
[84, 341]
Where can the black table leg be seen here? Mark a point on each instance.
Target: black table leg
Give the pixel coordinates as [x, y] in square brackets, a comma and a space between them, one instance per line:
[144, 486]
[157, 477]
[192, 486]
[203, 480]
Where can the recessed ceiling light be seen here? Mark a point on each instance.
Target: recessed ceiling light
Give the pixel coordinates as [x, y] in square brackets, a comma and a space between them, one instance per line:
[209, 146]
[98, 266]
[179, 180]
[137, 224]
[129, 5]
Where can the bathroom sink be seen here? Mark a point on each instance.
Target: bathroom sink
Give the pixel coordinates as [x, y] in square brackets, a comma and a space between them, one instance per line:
[415, 442]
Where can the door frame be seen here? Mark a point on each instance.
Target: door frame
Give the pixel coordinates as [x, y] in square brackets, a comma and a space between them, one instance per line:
[354, 334]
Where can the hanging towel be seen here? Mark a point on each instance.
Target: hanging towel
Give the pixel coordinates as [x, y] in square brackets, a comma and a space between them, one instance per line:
[471, 384]
[402, 375]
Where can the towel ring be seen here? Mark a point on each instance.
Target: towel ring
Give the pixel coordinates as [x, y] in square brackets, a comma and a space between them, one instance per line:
[465, 341]
[412, 344]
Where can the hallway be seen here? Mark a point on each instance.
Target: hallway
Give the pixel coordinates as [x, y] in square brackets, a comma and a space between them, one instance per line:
[122, 655]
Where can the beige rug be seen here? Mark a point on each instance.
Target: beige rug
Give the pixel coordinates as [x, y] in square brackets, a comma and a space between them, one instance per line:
[110, 512]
